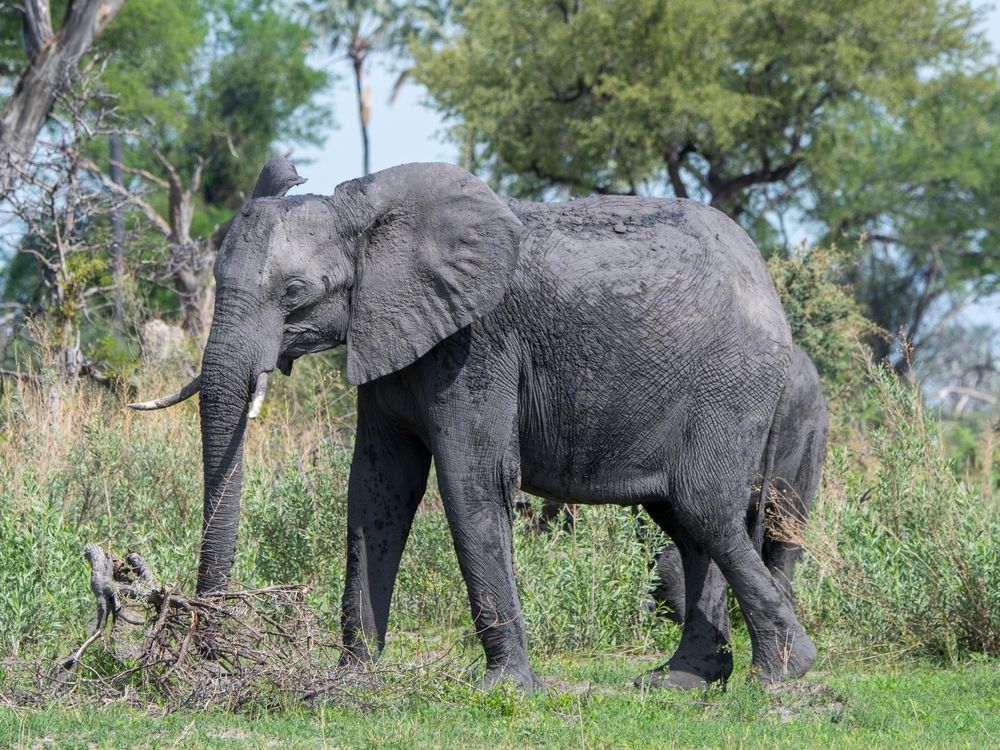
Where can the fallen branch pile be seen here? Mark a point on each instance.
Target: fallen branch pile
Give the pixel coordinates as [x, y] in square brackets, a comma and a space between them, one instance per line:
[261, 646]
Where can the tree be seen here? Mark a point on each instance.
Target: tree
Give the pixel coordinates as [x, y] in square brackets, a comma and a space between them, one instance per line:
[918, 184]
[360, 28]
[708, 98]
[258, 93]
[852, 117]
[65, 242]
[52, 57]
[149, 50]
[202, 114]
[198, 114]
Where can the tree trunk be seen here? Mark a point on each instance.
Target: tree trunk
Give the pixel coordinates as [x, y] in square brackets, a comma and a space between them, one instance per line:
[116, 152]
[193, 284]
[364, 109]
[190, 262]
[53, 58]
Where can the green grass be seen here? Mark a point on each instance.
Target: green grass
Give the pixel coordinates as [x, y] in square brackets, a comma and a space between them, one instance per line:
[590, 704]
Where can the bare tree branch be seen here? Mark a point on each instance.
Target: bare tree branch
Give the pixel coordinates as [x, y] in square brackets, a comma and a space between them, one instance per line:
[146, 208]
[47, 75]
[139, 172]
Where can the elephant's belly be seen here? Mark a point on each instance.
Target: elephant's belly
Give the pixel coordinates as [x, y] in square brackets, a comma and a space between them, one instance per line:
[595, 441]
[544, 487]
[598, 475]
[612, 491]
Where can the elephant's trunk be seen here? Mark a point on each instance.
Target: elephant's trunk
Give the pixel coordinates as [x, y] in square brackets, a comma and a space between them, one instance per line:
[229, 369]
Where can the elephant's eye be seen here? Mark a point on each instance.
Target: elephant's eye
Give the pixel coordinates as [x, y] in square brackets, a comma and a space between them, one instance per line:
[294, 291]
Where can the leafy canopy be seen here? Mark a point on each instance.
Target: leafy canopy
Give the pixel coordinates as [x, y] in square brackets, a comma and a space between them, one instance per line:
[711, 97]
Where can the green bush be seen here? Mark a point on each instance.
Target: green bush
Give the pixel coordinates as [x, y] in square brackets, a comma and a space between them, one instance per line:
[825, 319]
[903, 554]
[581, 588]
[44, 593]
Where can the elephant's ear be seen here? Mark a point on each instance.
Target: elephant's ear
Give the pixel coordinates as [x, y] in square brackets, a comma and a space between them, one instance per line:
[435, 249]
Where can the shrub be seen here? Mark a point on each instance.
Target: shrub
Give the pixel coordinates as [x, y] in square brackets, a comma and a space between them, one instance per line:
[581, 588]
[824, 317]
[903, 554]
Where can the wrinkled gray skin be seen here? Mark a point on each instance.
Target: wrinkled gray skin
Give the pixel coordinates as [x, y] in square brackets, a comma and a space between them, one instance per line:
[801, 431]
[607, 350]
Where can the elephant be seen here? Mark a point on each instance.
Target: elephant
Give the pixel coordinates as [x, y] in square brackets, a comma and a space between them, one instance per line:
[607, 349]
[801, 433]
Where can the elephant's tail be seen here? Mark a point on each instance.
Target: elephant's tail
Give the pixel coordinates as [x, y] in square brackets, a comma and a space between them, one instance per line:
[757, 516]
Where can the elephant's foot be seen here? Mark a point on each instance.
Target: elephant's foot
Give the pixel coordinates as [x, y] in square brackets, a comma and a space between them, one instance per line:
[688, 674]
[523, 678]
[787, 663]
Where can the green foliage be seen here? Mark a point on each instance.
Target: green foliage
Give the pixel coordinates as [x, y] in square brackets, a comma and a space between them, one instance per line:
[258, 92]
[917, 185]
[41, 563]
[581, 588]
[904, 555]
[214, 84]
[21, 278]
[607, 95]
[119, 358]
[81, 271]
[379, 24]
[227, 97]
[152, 49]
[825, 319]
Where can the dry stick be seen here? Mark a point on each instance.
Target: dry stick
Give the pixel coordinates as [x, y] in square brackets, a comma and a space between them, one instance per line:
[256, 635]
[73, 659]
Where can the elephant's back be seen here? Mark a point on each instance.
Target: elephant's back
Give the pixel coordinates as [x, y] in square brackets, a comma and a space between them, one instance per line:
[664, 258]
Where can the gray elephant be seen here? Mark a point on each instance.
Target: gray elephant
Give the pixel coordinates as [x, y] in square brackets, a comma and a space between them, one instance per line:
[801, 432]
[606, 350]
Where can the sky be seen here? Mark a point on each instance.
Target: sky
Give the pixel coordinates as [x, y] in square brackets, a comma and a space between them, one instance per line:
[405, 131]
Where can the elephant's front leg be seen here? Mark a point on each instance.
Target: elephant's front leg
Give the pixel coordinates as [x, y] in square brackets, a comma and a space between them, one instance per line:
[388, 479]
[478, 489]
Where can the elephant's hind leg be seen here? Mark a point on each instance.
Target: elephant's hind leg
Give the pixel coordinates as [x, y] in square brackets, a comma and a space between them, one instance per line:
[668, 597]
[704, 655]
[780, 558]
[781, 648]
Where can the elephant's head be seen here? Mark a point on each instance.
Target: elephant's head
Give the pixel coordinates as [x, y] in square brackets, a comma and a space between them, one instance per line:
[391, 264]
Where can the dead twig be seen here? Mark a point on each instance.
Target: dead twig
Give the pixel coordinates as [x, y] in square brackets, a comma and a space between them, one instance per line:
[177, 651]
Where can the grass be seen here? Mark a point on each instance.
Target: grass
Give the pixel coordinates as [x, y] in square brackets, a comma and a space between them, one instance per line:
[900, 587]
[590, 704]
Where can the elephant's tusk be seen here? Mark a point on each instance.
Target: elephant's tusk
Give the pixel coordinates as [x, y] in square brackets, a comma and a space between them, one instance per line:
[162, 403]
[259, 391]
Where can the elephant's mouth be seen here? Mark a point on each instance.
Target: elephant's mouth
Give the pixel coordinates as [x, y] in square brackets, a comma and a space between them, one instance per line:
[285, 364]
